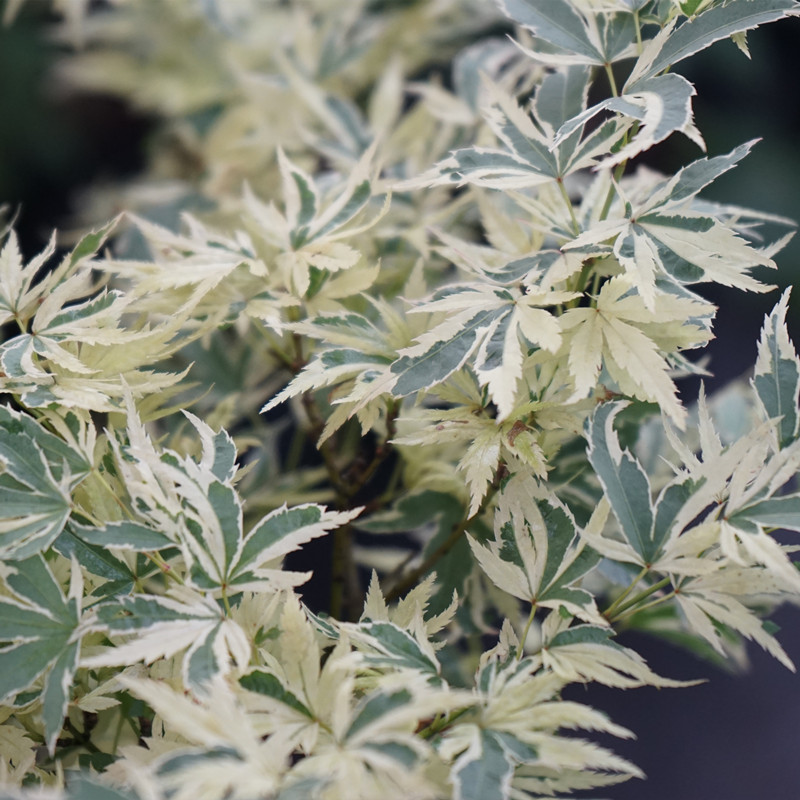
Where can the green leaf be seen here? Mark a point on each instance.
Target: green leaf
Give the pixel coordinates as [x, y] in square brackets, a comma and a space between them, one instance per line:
[624, 481]
[717, 23]
[688, 7]
[394, 648]
[406, 755]
[91, 243]
[57, 690]
[556, 22]
[124, 535]
[205, 658]
[223, 465]
[562, 95]
[55, 450]
[537, 552]
[584, 634]
[267, 684]
[228, 511]
[694, 177]
[357, 201]
[442, 359]
[617, 36]
[672, 499]
[301, 790]
[94, 558]
[776, 512]
[484, 771]
[34, 505]
[138, 612]
[777, 373]
[41, 627]
[375, 706]
[308, 200]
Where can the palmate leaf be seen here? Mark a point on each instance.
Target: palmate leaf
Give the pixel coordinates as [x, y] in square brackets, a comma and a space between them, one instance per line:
[75, 540]
[58, 453]
[777, 374]
[356, 353]
[34, 505]
[39, 472]
[537, 554]
[657, 534]
[709, 602]
[20, 293]
[41, 630]
[221, 745]
[58, 327]
[16, 278]
[281, 531]
[693, 178]
[498, 325]
[388, 646]
[192, 504]
[622, 335]
[220, 557]
[165, 625]
[665, 237]
[517, 730]
[756, 507]
[419, 370]
[781, 512]
[309, 234]
[530, 154]
[583, 653]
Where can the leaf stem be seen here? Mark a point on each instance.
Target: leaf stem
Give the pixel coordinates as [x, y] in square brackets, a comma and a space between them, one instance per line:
[624, 613]
[412, 578]
[442, 722]
[106, 485]
[611, 80]
[166, 569]
[225, 602]
[636, 599]
[575, 226]
[637, 25]
[631, 586]
[525, 632]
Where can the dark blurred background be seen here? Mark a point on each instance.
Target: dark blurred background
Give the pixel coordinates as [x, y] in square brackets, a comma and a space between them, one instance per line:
[735, 737]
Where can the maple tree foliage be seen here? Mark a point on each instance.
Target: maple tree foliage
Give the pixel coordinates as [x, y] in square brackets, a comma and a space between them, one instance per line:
[436, 324]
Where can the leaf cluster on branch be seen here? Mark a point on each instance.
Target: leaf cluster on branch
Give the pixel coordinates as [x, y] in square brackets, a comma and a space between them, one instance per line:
[394, 298]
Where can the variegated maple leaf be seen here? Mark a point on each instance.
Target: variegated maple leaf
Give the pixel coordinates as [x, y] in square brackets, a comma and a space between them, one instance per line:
[631, 342]
[499, 326]
[537, 553]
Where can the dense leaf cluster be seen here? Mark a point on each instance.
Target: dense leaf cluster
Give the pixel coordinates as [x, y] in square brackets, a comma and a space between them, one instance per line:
[424, 304]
